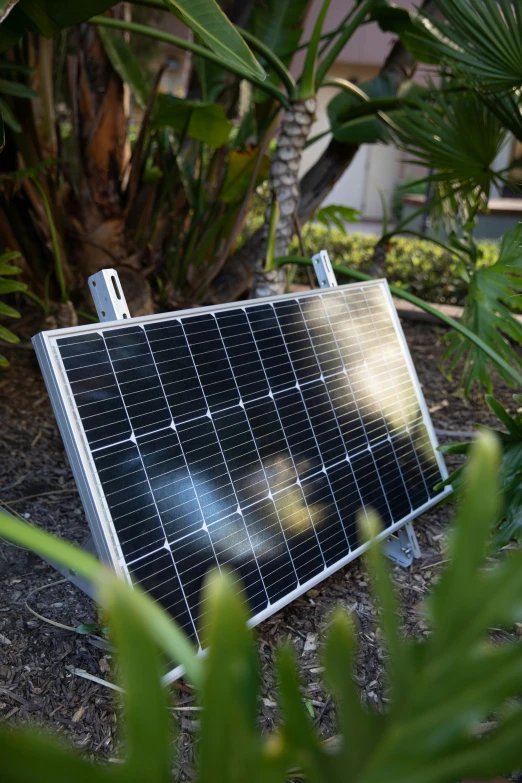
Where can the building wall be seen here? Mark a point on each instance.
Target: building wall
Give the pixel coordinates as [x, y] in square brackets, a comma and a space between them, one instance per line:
[377, 168]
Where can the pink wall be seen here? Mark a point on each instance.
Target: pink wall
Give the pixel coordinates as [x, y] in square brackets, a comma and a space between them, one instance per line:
[368, 46]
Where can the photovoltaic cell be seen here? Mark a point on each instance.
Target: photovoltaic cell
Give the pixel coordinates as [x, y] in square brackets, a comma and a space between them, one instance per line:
[248, 439]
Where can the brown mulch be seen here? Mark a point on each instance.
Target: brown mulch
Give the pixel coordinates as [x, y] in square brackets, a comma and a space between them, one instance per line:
[37, 684]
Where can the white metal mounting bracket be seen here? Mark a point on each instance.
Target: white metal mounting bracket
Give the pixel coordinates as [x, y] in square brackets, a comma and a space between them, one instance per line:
[108, 296]
[401, 547]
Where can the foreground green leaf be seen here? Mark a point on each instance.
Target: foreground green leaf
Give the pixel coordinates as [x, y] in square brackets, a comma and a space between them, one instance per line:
[230, 744]
[337, 215]
[27, 756]
[155, 620]
[148, 730]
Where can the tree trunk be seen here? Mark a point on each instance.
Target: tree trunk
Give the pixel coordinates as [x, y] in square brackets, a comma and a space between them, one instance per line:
[237, 276]
[284, 178]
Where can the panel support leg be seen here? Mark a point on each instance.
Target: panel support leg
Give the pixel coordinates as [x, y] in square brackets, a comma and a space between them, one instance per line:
[71, 575]
[402, 547]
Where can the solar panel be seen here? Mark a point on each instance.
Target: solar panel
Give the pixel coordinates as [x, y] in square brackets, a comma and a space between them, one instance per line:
[244, 437]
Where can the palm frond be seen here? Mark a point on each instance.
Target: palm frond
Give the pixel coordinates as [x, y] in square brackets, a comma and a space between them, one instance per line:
[481, 40]
[457, 137]
[488, 313]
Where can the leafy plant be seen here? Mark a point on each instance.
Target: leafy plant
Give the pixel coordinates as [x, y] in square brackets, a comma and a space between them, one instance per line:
[481, 40]
[457, 138]
[9, 286]
[441, 688]
[487, 312]
[337, 215]
[507, 526]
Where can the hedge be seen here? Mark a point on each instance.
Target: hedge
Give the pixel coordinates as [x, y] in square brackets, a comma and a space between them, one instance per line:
[417, 265]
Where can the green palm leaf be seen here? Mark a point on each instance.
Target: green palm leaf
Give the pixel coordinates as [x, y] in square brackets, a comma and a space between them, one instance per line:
[479, 39]
[493, 291]
[455, 135]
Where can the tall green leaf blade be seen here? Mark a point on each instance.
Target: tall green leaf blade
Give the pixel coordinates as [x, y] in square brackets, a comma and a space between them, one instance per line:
[17, 89]
[470, 537]
[27, 756]
[147, 723]
[348, 112]
[11, 286]
[230, 746]
[8, 117]
[125, 64]
[159, 625]
[207, 20]
[304, 748]
[355, 721]
[399, 663]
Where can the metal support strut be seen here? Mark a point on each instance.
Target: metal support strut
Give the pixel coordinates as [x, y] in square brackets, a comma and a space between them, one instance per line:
[401, 547]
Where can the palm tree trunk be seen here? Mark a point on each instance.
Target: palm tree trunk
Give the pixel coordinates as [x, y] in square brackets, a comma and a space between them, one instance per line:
[284, 176]
[238, 274]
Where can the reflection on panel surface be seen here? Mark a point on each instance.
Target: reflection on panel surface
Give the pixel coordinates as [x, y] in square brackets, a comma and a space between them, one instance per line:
[248, 439]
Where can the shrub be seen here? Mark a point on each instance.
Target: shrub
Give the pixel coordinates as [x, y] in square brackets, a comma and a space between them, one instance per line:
[417, 265]
[441, 688]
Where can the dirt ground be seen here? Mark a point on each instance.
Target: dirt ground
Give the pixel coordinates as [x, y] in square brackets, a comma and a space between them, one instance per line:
[39, 661]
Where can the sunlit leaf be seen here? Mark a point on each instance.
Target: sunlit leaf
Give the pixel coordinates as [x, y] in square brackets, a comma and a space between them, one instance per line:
[7, 310]
[147, 722]
[230, 742]
[7, 336]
